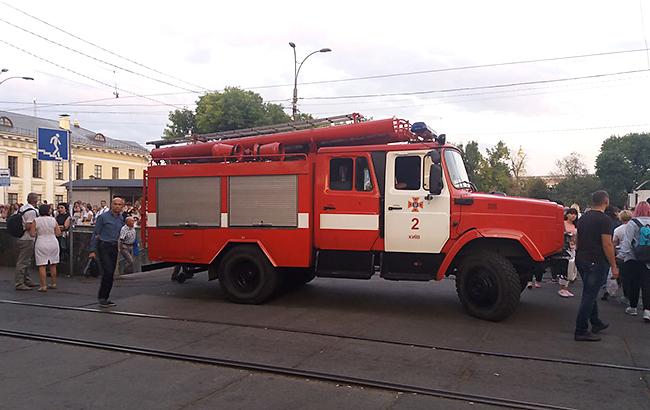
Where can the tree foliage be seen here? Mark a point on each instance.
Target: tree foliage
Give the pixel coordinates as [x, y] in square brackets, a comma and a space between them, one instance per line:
[623, 164]
[535, 188]
[518, 169]
[496, 170]
[182, 123]
[576, 190]
[231, 109]
[571, 166]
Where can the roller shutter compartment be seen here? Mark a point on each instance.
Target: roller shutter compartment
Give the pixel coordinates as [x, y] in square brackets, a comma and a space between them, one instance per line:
[189, 202]
[263, 201]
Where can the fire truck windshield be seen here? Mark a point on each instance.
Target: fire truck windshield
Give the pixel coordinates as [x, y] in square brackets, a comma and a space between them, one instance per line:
[456, 169]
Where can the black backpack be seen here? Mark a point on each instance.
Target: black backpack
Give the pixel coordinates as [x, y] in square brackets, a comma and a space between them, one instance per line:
[15, 223]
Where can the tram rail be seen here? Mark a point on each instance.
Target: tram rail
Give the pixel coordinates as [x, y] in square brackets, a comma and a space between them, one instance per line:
[282, 371]
[514, 356]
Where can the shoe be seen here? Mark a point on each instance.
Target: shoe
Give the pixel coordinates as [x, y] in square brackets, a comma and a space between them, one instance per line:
[599, 327]
[106, 303]
[646, 315]
[22, 286]
[565, 293]
[538, 285]
[586, 337]
[53, 286]
[31, 284]
[42, 289]
[631, 311]
[529, 285]
[605, 296]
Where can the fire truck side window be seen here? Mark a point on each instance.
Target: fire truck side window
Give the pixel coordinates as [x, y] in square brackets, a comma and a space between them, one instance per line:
[407, 172]
[341, 174]
[362, 180]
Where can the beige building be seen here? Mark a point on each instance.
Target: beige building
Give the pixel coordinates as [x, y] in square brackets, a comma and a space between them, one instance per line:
[94, 156]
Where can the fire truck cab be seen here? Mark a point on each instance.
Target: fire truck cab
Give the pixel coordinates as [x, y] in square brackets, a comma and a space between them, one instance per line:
[343, 198]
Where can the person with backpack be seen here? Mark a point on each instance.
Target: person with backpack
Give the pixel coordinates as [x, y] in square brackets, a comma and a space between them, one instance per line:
[635, 250]
[18, 226]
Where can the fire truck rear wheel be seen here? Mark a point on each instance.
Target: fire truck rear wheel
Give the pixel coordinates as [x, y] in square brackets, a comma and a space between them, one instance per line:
[488, 286]
[247, 276]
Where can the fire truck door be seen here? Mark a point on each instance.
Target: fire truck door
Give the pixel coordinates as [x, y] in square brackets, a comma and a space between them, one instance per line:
[346, 203]
[414, 221]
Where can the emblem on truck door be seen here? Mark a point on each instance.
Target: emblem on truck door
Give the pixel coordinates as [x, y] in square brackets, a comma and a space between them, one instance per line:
[415, 204]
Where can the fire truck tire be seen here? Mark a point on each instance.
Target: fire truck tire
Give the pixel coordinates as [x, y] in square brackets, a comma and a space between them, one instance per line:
[247, 276]
[488, 286]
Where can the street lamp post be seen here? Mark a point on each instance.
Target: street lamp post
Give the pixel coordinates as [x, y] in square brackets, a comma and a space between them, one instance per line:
[296, 71]
[4, 70]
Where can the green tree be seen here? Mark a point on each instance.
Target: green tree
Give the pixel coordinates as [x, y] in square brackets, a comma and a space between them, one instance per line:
[536, 188]
[182, 123]
[623, 164]
[473, 162]
[231, 109]
[518, 169]
[576, 190]
[577, 185]
[496, 169]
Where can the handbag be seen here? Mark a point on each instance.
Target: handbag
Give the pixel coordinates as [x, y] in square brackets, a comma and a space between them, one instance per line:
[91, 269]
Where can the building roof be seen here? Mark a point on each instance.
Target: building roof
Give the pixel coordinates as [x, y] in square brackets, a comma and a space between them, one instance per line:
[27, 125]
[105, 183]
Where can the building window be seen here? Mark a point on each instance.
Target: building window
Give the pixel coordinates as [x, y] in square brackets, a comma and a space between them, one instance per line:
[12, 198]
[58, 170]
[13, 166]
[6, 122]
[98, 171]
[36, 168]
[131, 173]
[115, 173]
[80, 171]
[58, 199]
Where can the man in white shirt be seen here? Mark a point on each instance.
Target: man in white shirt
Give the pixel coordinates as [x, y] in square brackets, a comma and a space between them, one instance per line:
[103, 208]
[125, 246]
[26, 245]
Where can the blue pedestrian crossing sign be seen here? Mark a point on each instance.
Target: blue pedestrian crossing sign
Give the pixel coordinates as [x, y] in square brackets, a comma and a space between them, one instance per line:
[52, 145]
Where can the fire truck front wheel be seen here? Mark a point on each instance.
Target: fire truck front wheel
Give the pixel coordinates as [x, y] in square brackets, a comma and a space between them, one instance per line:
[247, 276]
[488, 286]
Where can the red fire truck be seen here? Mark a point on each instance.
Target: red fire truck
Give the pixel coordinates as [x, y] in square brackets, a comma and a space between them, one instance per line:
[341, 197]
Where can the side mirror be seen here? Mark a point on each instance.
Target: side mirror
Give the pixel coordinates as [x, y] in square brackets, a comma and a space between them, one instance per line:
[435, 156]
[435, 178]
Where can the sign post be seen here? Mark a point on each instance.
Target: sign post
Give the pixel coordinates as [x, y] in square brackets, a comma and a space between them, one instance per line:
[5, 181]
[56, 145]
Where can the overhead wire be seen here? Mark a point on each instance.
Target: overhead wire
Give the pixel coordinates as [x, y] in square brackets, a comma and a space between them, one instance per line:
[99, 47]
[481, 87]
[84, 75]
[95, 58]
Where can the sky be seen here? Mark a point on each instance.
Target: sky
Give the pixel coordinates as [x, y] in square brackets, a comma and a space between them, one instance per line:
[160, 56]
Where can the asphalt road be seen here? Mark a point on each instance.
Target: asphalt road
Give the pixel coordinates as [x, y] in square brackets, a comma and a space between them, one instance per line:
[288, 332]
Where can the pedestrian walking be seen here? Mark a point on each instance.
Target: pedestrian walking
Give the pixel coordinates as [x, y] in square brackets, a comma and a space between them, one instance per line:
[26, 245]
[636, 266]
[619, 236]
[570, 273]
[46, 248]
[103, 246]
[125, 245]
[594, 258]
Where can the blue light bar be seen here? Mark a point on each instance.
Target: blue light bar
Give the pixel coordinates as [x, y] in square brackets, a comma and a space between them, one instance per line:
[422, 130]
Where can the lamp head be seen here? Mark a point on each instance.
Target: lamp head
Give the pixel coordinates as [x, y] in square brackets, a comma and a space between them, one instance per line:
[293, 45]
[27, 78]
[325, 50]
[4, 70]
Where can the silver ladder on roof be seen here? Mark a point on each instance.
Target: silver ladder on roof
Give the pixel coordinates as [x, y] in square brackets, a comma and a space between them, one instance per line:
[265, 129]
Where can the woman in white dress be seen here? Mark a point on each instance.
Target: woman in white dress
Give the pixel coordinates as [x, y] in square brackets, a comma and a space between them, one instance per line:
[46, 249]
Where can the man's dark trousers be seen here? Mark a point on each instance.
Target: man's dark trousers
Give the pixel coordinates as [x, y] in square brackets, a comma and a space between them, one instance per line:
[107, 259]
[594, 276]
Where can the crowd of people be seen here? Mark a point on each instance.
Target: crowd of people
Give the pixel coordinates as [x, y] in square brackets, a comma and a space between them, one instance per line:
[608, 248]
[84, 213]
[43, 241]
